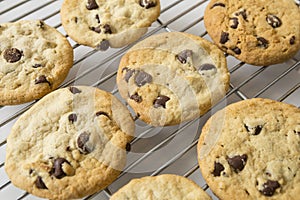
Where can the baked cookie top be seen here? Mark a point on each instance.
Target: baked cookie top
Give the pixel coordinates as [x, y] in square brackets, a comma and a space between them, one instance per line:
[104, 23]
[34, 60]
[172, 77]
[70, 144]
[166, 186]
[263, 32]
[250, 150]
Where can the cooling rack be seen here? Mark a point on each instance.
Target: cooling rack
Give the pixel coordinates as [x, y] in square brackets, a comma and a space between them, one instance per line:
[154, 150]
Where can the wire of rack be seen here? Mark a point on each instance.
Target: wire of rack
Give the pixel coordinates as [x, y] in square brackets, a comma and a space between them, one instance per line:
[280, 82]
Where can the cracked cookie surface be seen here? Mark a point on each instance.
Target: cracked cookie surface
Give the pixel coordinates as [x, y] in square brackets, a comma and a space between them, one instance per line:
[34, 60]
[70, 144]
[173, 77]
[166, 186]
[250, 150]
[101, 23]
[259, 33]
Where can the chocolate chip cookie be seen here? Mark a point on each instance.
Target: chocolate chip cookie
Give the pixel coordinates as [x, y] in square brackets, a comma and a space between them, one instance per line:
[34, 60]
[70, 144]
[172, 77]
[102, 24]
[263, 32]
[166, 186]
[250, 150]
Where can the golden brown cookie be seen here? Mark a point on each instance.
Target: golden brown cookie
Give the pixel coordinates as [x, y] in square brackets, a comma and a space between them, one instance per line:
[172, 77]
[250, 150]
[263, 32]
[34, 60]
[70, 144]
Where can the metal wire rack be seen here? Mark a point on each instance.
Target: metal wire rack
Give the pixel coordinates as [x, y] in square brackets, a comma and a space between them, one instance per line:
[154, 150]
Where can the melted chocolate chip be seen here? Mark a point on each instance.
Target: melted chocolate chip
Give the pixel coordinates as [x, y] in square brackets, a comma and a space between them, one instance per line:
[129, 73]
[292, 40]
[74, 90]
[41, 25]
[269, 188]
[76, 19]
[103, 45]
[236, 50]
[82, 143]
[218, 168]
[262, 42]
[137, 98]
[41, 79]
[97, 18]
[273, 21]
[161, 101]
[234, 22]
[96, 29]
[237, 162]
[218, 4]
[12, 55]
[39, 183]
[147, 3]
[243, 14]
[72, 118]
[31, 171]
[128, 147]
[102, 113]
[206, 67]
[92, 4]
[107, 29]
[254, 131]
[224, 37]
[57, 170]
[183, 55]
[142, 78]
[37, 65]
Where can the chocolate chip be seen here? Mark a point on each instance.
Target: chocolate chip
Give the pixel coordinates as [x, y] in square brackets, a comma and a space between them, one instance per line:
[102, 113]
[76, 19]
[161, 101]
[273, 21]
[297, 132]
[39, 183]
[243, 14]
[142, 78]
[129, 73]
[82, 143]
[218, 4]
[234, 22]
[128, 147]
[57, 170]
[12, 55]
[91, 4]
[96, 29]
[183, 55]
[37, 65]
[297, 2]
[103, 45]
[107, 29]
[236, 50]
[97, 18]
[224, 37]
[206, 67]
[74, 90]
[292, 40]
[218, 168]
[137, 98]
[31, 171]
[72, 118]
[269, 188]
[262, 42]
[41, 24]
[237, 162]
[147, 3]
[255, 130]
[41, 79]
